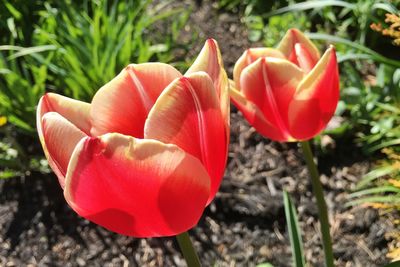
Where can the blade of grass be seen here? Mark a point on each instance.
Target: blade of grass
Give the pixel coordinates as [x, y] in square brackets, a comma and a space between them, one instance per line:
[393, 264]
[375, 174]
[394, 199]
[384, 144]
[23, 51]
[309, 5]
[355, 56]
[373, 55]
[386, 7]
[375, 190]
[296, 242]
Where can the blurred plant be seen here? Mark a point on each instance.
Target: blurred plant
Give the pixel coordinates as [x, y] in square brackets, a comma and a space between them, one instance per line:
[72, 48]
[15, 159]
[99, 39]
[22, 83]
[380, 188]
[8, 160]
[386, 192]
[393, 30]
[384, 136]
[370, 93]
[23, 76]
[18, 19]
[345, 18]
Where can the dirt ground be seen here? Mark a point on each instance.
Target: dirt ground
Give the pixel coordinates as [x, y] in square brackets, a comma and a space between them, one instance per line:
[244, 225]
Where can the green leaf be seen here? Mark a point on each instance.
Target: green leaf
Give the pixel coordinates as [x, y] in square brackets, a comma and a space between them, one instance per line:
[393, 199]
[392, 142]
[23, 51]
[393, 264]
[309, 5]
[22, 124]
[14, 12]
[296, 242]
[8, 174]
[366, 51]
[388, 7]
[375, 190]
[375, 174]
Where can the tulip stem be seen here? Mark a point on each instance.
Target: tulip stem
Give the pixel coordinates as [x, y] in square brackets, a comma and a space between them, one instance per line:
[321, 204]
[188, 251]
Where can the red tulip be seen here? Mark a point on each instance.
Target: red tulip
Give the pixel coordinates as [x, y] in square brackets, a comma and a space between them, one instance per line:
[147, 155]
[288, 93]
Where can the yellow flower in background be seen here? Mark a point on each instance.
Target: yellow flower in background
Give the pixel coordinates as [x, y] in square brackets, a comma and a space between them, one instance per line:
[3, 120]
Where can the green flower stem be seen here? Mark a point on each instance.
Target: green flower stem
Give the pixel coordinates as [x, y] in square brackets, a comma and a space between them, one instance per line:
[188, 251]
[322, 209]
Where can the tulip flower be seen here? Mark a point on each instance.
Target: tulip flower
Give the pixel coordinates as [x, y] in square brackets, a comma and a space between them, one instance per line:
[289, 93]
[147, 155]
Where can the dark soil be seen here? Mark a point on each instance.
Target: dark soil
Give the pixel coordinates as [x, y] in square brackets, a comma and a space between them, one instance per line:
[245, 224]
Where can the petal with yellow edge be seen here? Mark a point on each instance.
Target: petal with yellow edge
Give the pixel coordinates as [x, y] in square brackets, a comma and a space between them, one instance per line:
[250, 56]
[210, 61]
[316, 98]
[188, 114]
[75, 111]
[122, 104]
[270, 84]
[134, 187]
[299, 49]
[60, 137]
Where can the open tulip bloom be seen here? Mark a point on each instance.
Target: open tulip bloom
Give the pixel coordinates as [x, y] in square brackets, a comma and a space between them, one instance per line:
[147, 155]
[288, 93]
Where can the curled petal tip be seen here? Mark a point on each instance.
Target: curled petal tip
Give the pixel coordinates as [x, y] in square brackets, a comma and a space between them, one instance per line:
[294, 30]
[60, 137]
[184, 79]
[298, 48]
[129, 67]
[77, 112]
[211, 41]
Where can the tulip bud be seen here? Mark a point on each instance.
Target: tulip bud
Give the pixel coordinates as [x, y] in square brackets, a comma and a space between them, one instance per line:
[289, 93]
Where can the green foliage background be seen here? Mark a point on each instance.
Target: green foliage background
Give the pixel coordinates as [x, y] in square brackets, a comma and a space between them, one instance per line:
[72, 48]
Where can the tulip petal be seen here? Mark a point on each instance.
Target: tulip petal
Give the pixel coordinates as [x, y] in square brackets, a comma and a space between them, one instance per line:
[299, 49]
[210, 61]
[316, 98]
[60, 137]
[250, 56]
[270, 84]
[188, 114]
[255, 117]
[122, 104]
[135, 187]
[75, 111]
